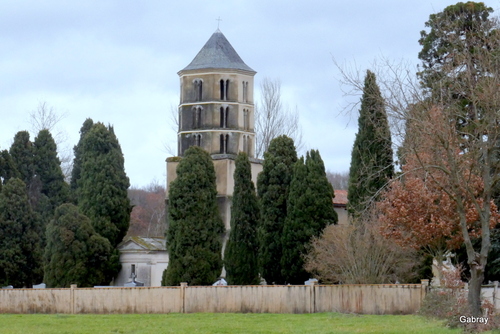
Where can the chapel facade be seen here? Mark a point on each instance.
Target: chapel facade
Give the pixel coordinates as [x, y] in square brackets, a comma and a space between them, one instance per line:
[216, 112]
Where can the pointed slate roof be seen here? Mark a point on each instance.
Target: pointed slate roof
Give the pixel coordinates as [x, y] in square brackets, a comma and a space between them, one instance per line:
[217, 53]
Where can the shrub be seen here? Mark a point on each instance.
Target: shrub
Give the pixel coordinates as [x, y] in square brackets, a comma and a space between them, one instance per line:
[358, 254]
[450, 302]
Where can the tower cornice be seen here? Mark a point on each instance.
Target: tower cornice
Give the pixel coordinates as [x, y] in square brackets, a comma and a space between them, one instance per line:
[209, 71]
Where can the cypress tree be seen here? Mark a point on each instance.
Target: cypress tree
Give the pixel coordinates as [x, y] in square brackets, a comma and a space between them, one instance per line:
[7, 168]
[75, 253]
[103, 184]
[310, 210]
[77, 150]
[273, 185]
[240, 255]
[372, 156]
[21, 152]
[194, 237]
[47, 168]
[20, 252]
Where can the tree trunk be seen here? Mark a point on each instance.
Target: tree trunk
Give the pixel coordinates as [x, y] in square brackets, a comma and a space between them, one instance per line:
[474, 297]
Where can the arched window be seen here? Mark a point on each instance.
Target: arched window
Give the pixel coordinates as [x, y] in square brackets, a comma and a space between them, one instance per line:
[195, 122]
[224, 89]
[245, 119]
[224, 139]
[198, 89]
[223, 117]
[196, 139]
[249, 145]
[179, 145]
[222, 144]
[245, 91]
[197, 117]
[226, 114]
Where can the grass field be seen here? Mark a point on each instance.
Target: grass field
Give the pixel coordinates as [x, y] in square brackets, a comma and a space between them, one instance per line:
[220, 323]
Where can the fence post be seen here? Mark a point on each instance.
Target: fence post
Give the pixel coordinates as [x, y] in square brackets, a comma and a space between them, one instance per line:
[72, 297]
[183, 296]
[424, 283]
[312, 308]
[495, 294]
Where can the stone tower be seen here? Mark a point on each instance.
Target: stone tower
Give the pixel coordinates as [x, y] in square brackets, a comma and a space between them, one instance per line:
[216, 112]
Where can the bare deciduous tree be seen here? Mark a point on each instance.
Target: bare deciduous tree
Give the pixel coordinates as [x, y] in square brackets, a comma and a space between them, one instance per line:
[45, 117]
[358, 254]
[339, 181]
[173, 122]
[148, 215]
[273, 118]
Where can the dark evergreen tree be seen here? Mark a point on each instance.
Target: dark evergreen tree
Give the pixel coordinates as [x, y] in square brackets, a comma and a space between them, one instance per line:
[7, 168]
[463, 28]
[21, 152]
[48, 171]
[310, 210]
[12, 259]
[372, 156]
[75, 253]
[194, 237]
[492, 272]
[241, 252]
[102, 185]
[77, 149]
[20, 252]
[273, 185]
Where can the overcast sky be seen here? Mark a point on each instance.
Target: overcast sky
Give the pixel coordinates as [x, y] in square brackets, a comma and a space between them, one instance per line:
[117, 62]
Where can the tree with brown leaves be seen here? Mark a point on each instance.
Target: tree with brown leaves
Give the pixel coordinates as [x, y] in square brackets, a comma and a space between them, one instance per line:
[419, 209]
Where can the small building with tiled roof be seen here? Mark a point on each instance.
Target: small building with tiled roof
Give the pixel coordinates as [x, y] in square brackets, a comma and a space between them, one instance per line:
[143, 259]
[340, 206]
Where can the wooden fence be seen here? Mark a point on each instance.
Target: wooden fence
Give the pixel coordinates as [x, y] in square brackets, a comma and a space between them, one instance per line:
[362, 298]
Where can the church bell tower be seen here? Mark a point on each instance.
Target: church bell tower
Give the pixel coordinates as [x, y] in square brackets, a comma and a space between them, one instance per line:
[216, 112]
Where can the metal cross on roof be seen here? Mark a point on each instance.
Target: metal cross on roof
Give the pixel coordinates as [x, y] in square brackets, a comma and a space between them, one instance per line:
[219, 19]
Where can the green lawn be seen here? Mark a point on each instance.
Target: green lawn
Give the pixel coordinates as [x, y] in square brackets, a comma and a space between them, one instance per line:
[218, 323]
